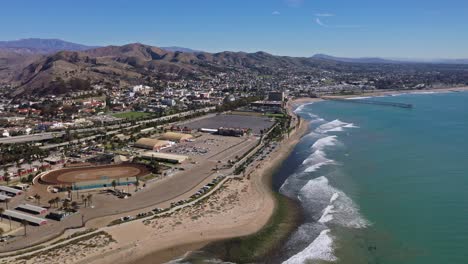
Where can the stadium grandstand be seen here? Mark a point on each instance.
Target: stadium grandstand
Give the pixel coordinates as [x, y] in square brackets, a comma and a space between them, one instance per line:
[164, 157]
[176, 137]
[153, 144]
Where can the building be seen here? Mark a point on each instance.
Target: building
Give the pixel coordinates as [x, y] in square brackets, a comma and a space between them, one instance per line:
[267, 106]
[168, 102]
[10, 191]
[142, 89]
[4, 198]
[104, 182]
[32, 209]
[153, 144]
[176, 137]
[232, 132]
[276, 96]
[164, 157]
[17, 216]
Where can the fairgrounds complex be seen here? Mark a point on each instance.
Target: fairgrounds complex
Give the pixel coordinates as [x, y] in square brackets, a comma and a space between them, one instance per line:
[95, 177]
[190, 155]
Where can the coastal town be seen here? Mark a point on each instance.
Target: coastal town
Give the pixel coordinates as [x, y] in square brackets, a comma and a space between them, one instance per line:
[232, 132]
[69, 175]
[107, 165]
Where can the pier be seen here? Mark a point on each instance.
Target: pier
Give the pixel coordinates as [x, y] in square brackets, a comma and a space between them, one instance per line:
[372, 102]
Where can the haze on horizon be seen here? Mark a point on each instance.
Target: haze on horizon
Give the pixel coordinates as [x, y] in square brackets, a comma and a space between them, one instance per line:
[361, 28]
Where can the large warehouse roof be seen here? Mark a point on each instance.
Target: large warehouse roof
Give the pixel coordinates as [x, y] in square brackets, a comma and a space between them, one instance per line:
[4, 197]
[164, 156]
[174, 136]
[20, 216]
[151, 143]
[31, 208]
[10, 190]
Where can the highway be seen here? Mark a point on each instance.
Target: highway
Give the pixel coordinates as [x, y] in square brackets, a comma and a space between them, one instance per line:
[51, 135]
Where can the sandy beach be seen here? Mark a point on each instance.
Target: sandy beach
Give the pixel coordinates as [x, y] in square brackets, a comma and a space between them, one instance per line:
[242, 206]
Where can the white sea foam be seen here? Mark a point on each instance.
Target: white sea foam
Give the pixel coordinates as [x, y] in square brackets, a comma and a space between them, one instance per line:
[334, 126]
[359, 98]
[327, 215]
[318, 193]
[317, 166]
[334, 197]
[351, 125]
[423, 92]
[325, 142]
[301, 107]
[320, 249]
[317, 120]
[336, 129]
[316, 157]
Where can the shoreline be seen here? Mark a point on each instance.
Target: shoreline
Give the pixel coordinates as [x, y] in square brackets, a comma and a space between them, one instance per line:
[265, 182]
[241, 207]
[378, 93]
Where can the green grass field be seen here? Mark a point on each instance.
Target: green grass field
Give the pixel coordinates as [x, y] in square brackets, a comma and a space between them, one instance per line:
[132, 115]
[276, 115]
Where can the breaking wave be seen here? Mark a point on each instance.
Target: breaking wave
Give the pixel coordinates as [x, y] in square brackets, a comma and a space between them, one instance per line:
[359, 98]
[336, 206]
[325, 142]
[325, 206]
[320, 249]
[334, 126]
[301, 107]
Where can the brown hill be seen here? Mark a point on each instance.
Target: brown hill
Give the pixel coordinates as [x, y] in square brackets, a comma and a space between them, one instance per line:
[13, 60]
[130, 63]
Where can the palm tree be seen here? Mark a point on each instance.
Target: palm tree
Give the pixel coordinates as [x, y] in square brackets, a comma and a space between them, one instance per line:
[25, 224]
[66, 205]
[85, 201]
[57, 201]
[7, 180]
[2, 210]
[69, 191]
[74, 205]
[51, 202]
[38, 198]
[30, 164]
[90, 199]
[114, 184]
[6, 203]
[5, 171]
[137, 183]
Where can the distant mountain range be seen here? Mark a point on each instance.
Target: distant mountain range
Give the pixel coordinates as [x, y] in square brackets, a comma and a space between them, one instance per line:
[389, 61]
[180, 49]
[41, 46]
[45, 46]
[45, 66]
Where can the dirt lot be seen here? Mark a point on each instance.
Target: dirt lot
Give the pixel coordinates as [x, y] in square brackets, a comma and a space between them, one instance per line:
[187, 179]
[69, 176]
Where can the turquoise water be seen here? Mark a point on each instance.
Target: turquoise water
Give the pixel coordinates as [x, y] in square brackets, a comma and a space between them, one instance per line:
[381, 184]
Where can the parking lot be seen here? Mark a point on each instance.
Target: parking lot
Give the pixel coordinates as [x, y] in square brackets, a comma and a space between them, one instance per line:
[256, 123]
[213, 148]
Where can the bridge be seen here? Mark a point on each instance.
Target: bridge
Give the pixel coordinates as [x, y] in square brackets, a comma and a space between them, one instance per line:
[372, 102]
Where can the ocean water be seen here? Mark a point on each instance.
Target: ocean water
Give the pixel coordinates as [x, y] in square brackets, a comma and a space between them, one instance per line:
[381, 184]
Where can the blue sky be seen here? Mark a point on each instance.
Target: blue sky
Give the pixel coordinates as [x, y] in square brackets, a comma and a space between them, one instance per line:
[351, 28]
